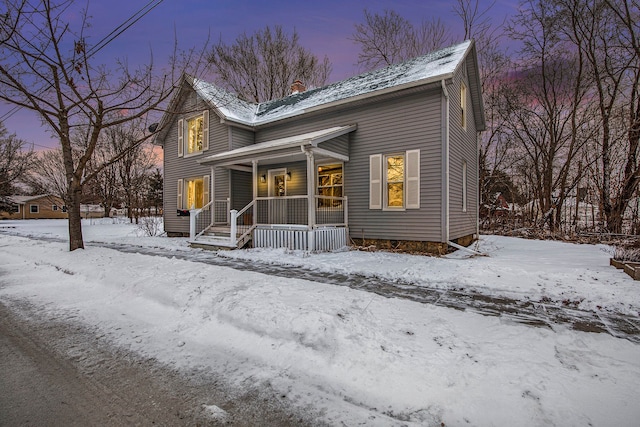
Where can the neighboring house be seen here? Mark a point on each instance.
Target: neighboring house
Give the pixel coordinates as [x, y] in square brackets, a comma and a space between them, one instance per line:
[91, 211]
[45, 206]
[389, 158]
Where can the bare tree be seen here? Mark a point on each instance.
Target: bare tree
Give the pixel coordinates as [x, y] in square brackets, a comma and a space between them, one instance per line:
[106, 184]
[390, 38]
[15, 160]
[262, 66]
[548, 110]
[47, 174]
[46, 65]
[495, 146]
[133, 168]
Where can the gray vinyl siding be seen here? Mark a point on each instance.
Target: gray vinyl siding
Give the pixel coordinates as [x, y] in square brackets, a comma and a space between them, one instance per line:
[338, 145]
[296, 187]
[176, 168]
[240, 138]
[463, 147]
[241, 189]
[410, 120]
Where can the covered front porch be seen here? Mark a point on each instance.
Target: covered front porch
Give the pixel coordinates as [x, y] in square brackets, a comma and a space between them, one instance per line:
[287, 193]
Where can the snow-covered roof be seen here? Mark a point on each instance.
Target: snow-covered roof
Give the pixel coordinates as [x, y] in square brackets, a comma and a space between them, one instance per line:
[310, 138]
[23, 199]
[418, 71]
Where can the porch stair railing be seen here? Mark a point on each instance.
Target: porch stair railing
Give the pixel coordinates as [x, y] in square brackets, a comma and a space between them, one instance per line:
[242, 224]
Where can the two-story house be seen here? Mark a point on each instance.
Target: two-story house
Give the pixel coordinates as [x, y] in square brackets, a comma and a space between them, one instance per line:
[389, 157]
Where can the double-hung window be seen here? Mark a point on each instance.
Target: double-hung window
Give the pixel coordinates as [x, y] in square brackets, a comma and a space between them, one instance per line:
[193, 134]
[193, 193]
[394, 181]
[463, 105]
[330, 185]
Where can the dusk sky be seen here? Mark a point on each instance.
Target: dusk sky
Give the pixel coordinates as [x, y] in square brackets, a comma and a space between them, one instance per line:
[324, 27]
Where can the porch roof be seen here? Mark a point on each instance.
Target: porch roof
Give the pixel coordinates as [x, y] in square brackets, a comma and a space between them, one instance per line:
[278, 147]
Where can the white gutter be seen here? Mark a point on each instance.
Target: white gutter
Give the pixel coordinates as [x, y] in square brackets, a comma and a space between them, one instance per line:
[445, 166]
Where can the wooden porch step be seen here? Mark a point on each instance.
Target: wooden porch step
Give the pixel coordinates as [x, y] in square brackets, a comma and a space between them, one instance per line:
[212, 243]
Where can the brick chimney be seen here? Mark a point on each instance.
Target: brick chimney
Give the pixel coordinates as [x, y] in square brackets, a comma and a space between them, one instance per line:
[297, 87]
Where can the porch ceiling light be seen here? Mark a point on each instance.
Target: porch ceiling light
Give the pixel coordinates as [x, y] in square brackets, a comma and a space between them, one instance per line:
[263, 178]
[288, 176]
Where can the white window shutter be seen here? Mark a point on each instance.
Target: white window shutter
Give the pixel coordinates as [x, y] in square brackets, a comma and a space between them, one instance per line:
[180, 189]
[413, 179]
[205, 189]
[205, 130]
[375, 181]
[180, 138]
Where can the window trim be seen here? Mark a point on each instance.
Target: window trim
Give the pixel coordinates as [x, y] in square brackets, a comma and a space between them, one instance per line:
[385, 182]
[54, 208]
[317, 178]
[183, 134]
[463, 105]
[378, 195]
[182, 191]
[37, 211]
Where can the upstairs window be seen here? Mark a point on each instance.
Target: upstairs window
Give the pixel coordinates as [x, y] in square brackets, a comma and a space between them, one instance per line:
[463, 105]
[193, 135]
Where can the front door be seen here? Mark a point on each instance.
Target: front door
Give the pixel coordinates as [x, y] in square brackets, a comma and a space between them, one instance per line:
[277, 193]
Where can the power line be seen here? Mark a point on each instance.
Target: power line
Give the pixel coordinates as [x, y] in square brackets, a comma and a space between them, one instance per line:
[104, 41]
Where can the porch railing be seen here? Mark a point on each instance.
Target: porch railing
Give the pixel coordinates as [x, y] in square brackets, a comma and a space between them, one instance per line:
[241, 223]
[331, 210]
[288, 210]
[200, 220]
[221, 209]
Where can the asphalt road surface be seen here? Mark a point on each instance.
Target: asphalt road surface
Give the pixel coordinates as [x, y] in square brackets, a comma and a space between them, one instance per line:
[57, 373]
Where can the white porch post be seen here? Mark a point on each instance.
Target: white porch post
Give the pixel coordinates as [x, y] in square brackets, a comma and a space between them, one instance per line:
[233, 233]
[212, 194]
[254, 181]
[193, 213]
[311, 200]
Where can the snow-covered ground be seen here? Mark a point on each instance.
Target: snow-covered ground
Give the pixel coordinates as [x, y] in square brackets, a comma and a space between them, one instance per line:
[353, 356]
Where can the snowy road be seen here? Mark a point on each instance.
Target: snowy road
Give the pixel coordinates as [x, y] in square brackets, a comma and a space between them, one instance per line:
[61, 373]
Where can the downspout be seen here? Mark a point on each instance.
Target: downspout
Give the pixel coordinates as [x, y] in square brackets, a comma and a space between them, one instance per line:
[445, 165]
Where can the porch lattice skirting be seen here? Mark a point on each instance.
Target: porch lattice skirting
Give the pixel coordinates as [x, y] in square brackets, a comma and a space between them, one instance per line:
[324, 239]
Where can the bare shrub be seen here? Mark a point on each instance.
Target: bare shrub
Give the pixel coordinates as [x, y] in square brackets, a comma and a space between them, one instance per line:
[151, 226]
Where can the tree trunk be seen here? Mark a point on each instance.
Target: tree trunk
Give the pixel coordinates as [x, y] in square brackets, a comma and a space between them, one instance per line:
[75, 219]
